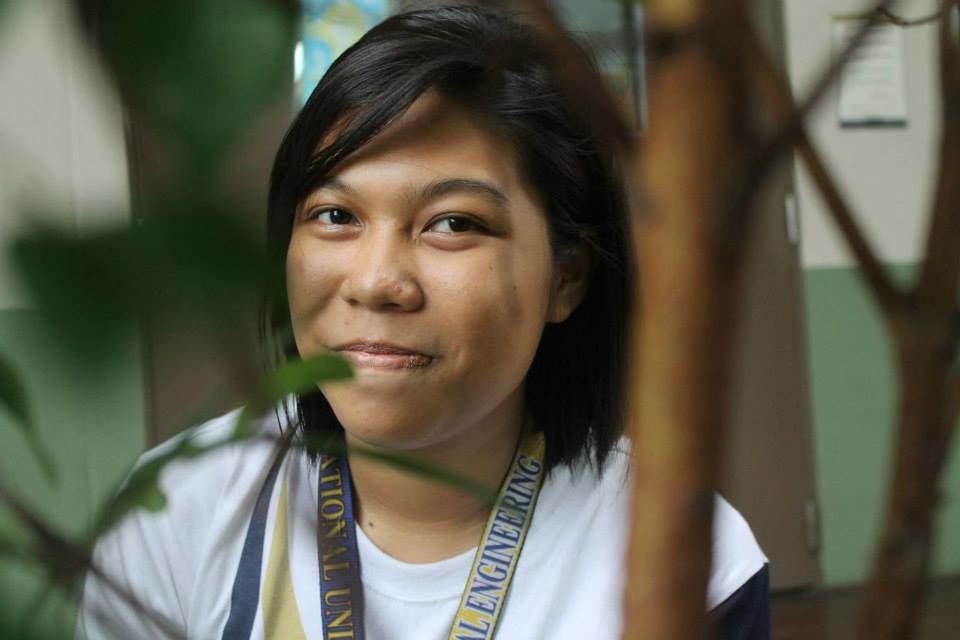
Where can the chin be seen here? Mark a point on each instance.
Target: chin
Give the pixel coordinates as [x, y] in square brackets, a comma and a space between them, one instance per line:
[378, 426]
[395, 437]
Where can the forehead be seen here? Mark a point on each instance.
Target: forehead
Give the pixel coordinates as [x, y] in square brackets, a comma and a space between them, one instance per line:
[435, 138]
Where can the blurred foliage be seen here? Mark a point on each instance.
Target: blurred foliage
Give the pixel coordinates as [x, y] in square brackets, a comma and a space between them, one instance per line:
[193, 74]
[301, 376]
[141, 490]
[196, 72]
[13, 398]
[12, 627]
[188, 259]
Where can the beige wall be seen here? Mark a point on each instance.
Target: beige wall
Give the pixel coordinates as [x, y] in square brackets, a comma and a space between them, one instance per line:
[61, 130]
[61, 151]
[888, 176]
[887, 172]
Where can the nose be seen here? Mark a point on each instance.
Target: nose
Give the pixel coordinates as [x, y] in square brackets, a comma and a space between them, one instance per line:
[381, 275]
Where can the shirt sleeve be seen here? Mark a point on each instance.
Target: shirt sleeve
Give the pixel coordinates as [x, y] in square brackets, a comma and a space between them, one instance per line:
[155, 557]
[745, 615]
[736, 555]
[139, 556]
[739, 590]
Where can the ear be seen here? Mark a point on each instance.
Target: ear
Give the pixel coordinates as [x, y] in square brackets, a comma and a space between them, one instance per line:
[570, 282]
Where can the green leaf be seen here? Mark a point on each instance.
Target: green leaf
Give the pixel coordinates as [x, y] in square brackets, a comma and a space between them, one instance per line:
[42, 455]
[13, 397]
[245, 427]
[10, 546]
[194, 262]
[304, 375]
[198, 71]
[152, 498]
[297, 376]
[141, 490]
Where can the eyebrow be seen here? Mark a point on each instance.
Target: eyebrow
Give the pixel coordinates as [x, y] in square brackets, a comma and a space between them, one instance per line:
[483, 189]
[335, 184]
[435, 189]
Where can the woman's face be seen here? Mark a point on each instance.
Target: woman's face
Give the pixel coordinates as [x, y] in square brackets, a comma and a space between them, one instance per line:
[425, 261]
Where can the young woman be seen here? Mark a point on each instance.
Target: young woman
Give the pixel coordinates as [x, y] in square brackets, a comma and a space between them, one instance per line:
[446, 223]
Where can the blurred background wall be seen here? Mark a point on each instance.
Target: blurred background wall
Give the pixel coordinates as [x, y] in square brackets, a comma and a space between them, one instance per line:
[887, 174]
[63, 159]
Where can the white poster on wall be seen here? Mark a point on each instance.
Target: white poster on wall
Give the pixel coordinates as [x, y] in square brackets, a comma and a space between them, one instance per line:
[871, 84]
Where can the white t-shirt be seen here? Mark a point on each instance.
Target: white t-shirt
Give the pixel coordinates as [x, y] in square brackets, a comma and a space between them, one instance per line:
[182, 561]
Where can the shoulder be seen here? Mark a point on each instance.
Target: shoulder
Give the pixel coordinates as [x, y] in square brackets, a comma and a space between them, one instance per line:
[158, 557]
[225, 462]
[221, 474]
[601, 502]
[737, 556]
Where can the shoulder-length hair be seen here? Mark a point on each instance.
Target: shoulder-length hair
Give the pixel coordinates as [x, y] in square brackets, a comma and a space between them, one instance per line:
[496, 67]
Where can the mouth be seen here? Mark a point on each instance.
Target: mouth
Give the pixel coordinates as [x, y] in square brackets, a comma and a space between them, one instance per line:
[382, 355]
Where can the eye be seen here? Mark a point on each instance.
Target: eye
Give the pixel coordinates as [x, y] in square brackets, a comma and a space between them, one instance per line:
[332, 216]
[454, 224]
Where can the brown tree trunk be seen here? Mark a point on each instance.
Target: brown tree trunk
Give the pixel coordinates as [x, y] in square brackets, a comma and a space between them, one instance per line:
[684, 330]
[896, 587]
[925, 327]
[927, 340]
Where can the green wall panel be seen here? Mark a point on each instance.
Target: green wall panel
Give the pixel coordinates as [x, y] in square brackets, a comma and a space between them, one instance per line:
[853, 401]
[92, 420]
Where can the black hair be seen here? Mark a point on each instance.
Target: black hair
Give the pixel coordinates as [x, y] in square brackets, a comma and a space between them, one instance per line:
[496, 67]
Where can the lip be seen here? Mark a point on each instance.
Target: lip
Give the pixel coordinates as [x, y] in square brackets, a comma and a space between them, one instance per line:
[382, 355]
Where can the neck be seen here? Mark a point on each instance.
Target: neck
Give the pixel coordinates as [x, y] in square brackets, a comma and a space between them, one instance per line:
[414, 518]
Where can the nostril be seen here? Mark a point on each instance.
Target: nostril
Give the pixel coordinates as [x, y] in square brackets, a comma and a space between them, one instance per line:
[383, 293]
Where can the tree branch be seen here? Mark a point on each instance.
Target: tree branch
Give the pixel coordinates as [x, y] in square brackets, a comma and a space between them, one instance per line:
[787, 135]
[766, 155]
[889, 16]
[906, 22]
[826, 77]
[775, 90]
[953, 397]
[65, 560]
[688, 291]
[930, 385]
[939, 277]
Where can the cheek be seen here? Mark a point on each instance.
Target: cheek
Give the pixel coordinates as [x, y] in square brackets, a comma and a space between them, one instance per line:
[524, 280]
[311, 280]
[499, 306]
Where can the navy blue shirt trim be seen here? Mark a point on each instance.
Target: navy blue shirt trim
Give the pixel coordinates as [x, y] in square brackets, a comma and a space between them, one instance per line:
[745, 615]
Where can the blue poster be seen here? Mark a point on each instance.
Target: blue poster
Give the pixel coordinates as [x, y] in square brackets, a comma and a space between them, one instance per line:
[329, 28]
